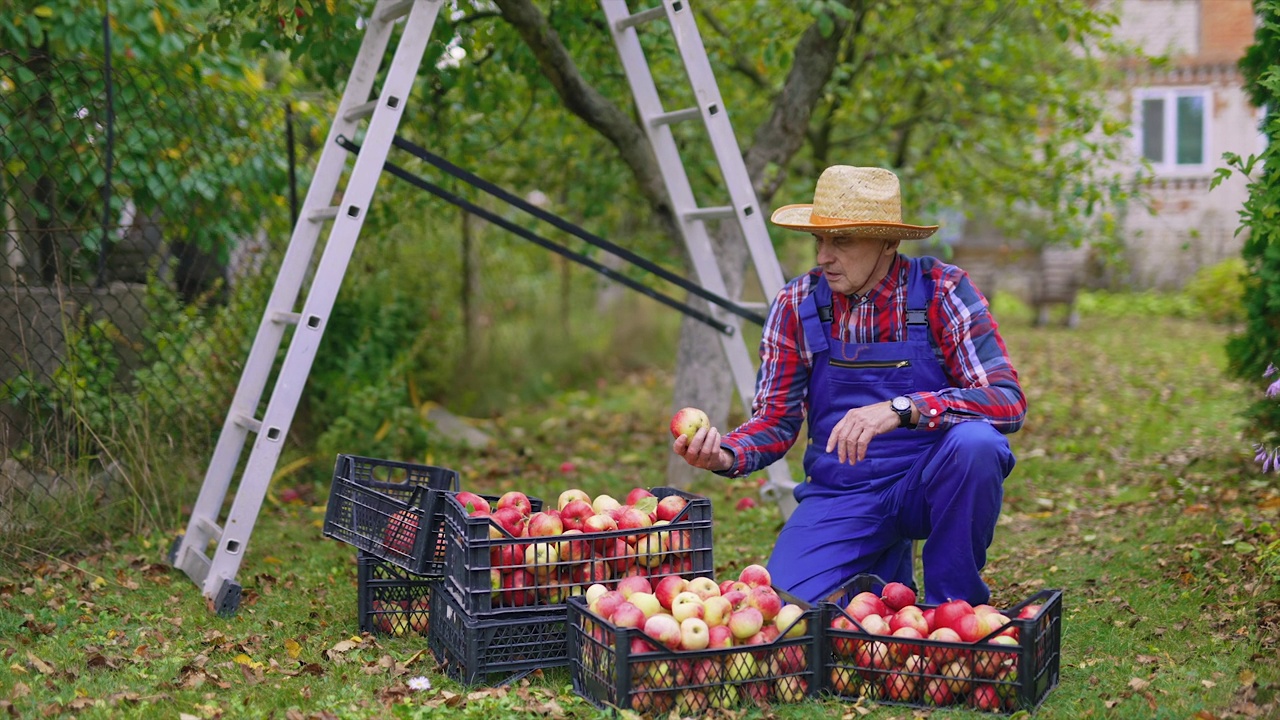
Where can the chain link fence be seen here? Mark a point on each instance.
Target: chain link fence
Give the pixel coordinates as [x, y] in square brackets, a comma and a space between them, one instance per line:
[143, 217]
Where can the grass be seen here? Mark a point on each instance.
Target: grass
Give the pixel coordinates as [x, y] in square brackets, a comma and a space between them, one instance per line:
[1134, 493]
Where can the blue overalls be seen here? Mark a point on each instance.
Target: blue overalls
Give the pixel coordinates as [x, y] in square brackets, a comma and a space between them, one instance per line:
[944, 486]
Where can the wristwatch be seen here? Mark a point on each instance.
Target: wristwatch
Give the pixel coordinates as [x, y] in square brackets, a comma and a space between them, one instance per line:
[902, 406]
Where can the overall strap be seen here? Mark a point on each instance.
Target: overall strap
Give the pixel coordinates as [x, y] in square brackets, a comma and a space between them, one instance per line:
[919, 293]
[815, 317]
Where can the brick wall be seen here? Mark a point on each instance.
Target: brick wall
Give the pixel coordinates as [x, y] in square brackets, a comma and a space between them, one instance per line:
[1226, 29]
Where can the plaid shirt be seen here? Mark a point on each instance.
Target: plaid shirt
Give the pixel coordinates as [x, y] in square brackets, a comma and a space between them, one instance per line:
[984, 385]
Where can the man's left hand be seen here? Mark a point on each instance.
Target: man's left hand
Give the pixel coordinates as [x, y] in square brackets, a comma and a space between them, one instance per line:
[851, 436]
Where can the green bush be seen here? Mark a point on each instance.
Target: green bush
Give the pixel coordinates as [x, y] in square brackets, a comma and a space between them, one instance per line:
[1219, 290]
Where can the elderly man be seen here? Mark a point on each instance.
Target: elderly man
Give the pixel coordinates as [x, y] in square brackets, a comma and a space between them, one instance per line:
[898, 367]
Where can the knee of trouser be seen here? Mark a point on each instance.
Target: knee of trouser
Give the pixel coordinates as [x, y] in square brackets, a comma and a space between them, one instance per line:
[981, 444]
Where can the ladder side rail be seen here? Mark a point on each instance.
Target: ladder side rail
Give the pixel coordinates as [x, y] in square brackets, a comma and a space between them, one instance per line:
[320, 299]
[284, 295]
[715, 117]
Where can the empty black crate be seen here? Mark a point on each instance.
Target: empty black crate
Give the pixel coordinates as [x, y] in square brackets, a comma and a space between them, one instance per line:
[392, 601]
[488, 573]
[1015, 672]
[473, 649]
[378, 506]
[619, 667]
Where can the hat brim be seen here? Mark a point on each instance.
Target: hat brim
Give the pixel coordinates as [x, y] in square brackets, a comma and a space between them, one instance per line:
[799, 217]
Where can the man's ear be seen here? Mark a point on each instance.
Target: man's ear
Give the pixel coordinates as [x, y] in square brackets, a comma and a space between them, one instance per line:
[891, 246]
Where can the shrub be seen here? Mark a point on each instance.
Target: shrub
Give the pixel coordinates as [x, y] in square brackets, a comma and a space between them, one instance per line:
[1219, 290]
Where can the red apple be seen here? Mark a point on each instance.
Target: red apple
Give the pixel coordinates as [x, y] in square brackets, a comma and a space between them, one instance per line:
[687, 422]
[745, 503]
[664, 629]
[1029, 612]
[400, 532]
[755, 576]
[765, 599]
[875, 625]
[517, 500]
[545, 524]
[745, 622]
[510, 520]
[668, 587]
[518, 588]
[573, 547]
[670, 507]
[948, 613]
[719, 636]
[628, 615]
[606, 603]
[864, 604]
[900, 651]
[842, 644]
[901, 686]
[634, 584]
[508, 554]
[472, 502]
[871, 656]
[635, 494]
[633, 519]
[972, 628]
[569, 496]
[420, 614]
[896, 596]
[937, 692]
[943, 655]
[985, 697]
[573, 515]
[910, 616]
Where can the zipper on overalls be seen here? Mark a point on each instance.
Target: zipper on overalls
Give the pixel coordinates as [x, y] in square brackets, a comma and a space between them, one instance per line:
[870, 363]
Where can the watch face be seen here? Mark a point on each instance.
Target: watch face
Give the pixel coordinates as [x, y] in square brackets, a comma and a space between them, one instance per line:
[901, 403]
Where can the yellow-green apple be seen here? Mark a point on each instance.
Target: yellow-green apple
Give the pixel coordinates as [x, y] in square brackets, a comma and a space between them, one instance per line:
[790, 659]
[495, 586]
[604, 503]
[670, 507]
[518, 587]
[688, 421]
[920, 665]
[664, 629]
[574, 515]
[716, 610]
[745, 622]
[900, 686]
[633, 584]
[1007, 687]
[668, 588]
[722, 697]
[984, 608]
[541, 558]
[692, 702]
[765, 599]
[900, 651]
[693, 634]
[910, 616]
[509, 522]
[943, 654]
[990, 663]
[790, 621]
[872, 656]
[570, 495]
[649, 550]
[718, 636]
[647, 602]
[628, 615]
[635, 494]
[594, 591]
[791, 689]
[545, 523]
[388, 617]
[420, 614]
[400, 532]
[705, 587]
[605, 603]
[517, 500]
[864, 604]
[755, 576]
[740, 666]
[472, 502]
[896, 595]
[686, 605]
[949, 613]
[844, 682]
[958, 674]
[1003, 623]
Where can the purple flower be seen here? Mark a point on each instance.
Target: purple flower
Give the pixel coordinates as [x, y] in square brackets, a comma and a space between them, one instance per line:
[1271, 370]
[1259, 452]
[1273, 389]
[1271, 461]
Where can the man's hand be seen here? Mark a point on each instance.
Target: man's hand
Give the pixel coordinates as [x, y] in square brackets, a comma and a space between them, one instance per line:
[703, 450]
[851, 436]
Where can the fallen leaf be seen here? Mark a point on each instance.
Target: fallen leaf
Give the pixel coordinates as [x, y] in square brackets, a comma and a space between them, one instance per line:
[41, 666]
[292, 648]
[1247, 677]
[1209, 683]
[1138, 683]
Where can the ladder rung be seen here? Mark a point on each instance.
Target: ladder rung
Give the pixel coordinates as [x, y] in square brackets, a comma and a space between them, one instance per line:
[326, 213]
[675, 116]
[709, 213]
[641, 17]
[361, 111]
[395, 11]
[286, 318]
[209, 526]
[248, 423]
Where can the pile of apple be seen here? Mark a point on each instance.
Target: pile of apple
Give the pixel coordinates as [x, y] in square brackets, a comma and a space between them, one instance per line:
[682, 614]
[399, 617]
[544, 557]
[974, 666]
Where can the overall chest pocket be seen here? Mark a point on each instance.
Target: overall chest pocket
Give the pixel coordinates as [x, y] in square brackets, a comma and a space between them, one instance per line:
[874, 375]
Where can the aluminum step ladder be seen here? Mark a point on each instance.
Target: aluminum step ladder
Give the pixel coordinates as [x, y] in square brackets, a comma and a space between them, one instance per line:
[744, 207]
[216, 572]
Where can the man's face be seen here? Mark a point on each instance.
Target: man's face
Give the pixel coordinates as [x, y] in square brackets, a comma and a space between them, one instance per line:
[851, 264]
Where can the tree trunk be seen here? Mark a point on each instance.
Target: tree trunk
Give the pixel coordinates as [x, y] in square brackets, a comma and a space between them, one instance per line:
[701, 376]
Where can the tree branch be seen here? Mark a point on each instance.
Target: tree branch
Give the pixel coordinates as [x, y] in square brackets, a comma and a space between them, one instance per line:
[741, 63]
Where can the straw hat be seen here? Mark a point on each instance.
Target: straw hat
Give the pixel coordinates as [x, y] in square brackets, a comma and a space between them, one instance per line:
[860, 201]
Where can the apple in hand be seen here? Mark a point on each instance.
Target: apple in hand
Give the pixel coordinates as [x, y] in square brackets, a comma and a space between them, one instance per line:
[688, 421]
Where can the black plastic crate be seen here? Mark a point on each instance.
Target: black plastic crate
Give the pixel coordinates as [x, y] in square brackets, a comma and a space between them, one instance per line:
[379, 507]
[472, 649]
[480, 568]
[982, 675]
[621, 667]
[392, 601]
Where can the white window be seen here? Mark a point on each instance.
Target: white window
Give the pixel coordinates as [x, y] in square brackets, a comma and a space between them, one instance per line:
[1173, 129]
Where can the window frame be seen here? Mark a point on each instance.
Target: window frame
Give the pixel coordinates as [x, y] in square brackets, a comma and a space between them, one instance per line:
[1170, 96]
